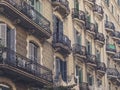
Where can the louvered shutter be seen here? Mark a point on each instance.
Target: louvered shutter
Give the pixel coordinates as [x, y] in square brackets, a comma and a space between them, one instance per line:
[3, 30]
[79, 39]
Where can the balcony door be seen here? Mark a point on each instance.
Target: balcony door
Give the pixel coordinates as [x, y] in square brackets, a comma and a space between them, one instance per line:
[61, 68]
[76, 5]
[79, 74]
[58, 28]
[33, 51]
[36, 4]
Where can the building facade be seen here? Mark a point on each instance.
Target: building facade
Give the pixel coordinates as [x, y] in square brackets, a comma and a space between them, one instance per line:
[59, 44]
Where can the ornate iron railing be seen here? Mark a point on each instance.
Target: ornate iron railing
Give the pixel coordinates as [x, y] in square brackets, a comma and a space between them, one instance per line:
[61, 38]
[100, 37]
[31, 13]
[98, 9]
[109, 25]
[11, 58]
[79, 49]
[78, 14]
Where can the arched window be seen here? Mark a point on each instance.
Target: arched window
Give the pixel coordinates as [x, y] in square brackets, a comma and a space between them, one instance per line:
[4, 87]
[33, 51]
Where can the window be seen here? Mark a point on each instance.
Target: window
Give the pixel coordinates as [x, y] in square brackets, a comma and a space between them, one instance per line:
[110, 86]
[78, 37]
[33, 51]
[36, 4]
[99, 82]
[118, 18]
[7, 37]
[4, 87]
[88, 48]
[98, 55]
[76, 4]
[112, 9]
[79, 73]
[106, 17]
[61, 68]
[107, 2]
[58, 25]
[118, 1]
[90, 79]
[108, 63]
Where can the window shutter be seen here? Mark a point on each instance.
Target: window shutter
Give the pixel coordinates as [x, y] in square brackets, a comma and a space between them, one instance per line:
[13, 40]
[3, 30]
[75, 36]
[77, 71]
[80, 76]
[76, 4]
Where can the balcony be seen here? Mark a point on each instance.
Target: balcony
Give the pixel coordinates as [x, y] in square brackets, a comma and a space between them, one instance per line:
[91, 60]
[61, 43]
[61, 6]
[18, 67]
[90, 3]
[25, 15]
[116, 57]
[112, 74]
[115, 35]
[90, 28]
[109, 26]
[99, 38]
[111, 49]
[98, 10]
[79, 51]
[83, 86]
[118, 43]
[78, 17]
[101, 68]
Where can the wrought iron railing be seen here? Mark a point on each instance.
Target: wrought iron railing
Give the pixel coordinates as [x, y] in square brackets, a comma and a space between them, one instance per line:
[117, 55]
[63, 2]
[31, 13]
[93, 1]
[90, 27]
[79, 49]
[111, 47]
[101, 66]
[91, 59]
[112, 72]
[61, 38]
[84, 86]
[98, 9]
[115, 34]
[100, 37]
[78, 14]
[11, 58]
[109, 25]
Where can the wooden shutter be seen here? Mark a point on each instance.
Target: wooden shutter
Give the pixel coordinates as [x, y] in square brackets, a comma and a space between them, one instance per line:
[54, 24]
[79, 39]
[3, 31]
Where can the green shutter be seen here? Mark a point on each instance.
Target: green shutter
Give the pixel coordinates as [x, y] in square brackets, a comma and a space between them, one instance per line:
[76, 4]
[79, 39]
[80, 76]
